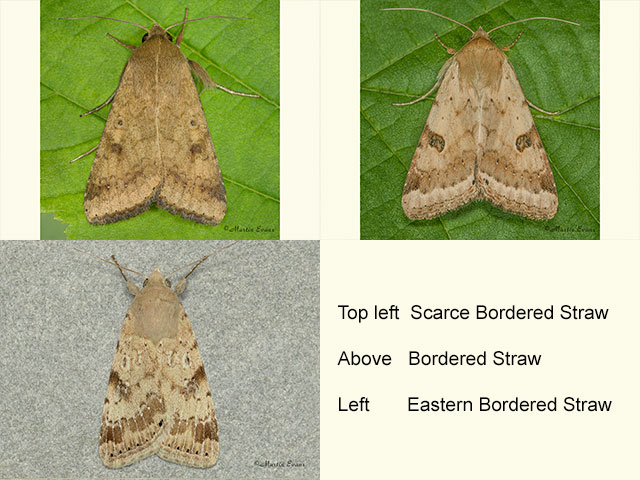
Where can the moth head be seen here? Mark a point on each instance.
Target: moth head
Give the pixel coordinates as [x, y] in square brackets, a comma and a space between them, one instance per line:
[480, 33]
[158, 31]
[156, 278]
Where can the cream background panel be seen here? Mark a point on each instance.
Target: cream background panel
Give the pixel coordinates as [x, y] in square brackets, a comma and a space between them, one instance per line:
[591, 359]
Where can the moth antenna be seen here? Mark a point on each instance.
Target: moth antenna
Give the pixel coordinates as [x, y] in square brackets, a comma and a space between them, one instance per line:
[109, 262]
[433, 13]
[203, 18]
[533, 18]
[198, 262]
[107, 18]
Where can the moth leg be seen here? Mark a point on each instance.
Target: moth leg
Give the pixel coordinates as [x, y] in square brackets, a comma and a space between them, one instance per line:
[105, 103]
[449, 50]
[440, 76]
[417, 99]
[233, 92]
[541, 110]
[181, 34]
[202, 74]
[183, 281]
[125, 45]
[133, 288]
[85, 154]
[506, 49]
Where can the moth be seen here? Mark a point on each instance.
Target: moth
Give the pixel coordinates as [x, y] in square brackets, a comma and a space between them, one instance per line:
[158, 399]
[480, 141]
[156, 147]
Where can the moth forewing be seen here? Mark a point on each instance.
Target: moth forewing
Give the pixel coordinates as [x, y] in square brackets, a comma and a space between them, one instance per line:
[479, 141]
[158, 398]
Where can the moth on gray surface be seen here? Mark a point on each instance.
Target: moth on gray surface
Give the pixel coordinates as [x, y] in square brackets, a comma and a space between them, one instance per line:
[158, 399]
[479, 141]
[156, 147]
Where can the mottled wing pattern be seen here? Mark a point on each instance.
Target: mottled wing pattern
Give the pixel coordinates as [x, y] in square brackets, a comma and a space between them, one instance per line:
[513, 170]
[441, 175]
[126, 171]
[191, 434]
[480, 142]
[134, 413]
[158, 399]
[193, 186]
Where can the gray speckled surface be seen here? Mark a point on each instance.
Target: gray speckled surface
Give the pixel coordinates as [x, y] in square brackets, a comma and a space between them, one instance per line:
[254, 308]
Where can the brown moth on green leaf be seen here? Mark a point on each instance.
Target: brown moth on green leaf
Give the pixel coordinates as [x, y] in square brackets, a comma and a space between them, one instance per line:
[479, 141]
[156, 147]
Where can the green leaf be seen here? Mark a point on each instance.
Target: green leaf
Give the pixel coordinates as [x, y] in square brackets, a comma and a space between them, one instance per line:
[558, 69]
[81, 67]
